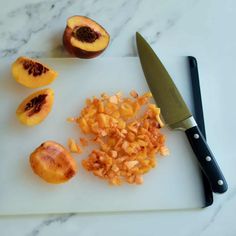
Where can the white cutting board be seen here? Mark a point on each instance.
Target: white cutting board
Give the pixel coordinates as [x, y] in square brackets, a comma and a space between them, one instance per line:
[174, 184]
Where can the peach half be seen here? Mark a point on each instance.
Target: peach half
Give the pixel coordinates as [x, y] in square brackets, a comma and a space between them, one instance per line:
[32, 73]
[53, 163]
[36, 107]
[85, 38]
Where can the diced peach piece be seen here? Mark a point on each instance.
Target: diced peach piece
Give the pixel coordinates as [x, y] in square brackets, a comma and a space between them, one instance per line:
[84, 142]
[73, 146]
[84, 125]
[133, 94]
[131, 164]
[126, 110]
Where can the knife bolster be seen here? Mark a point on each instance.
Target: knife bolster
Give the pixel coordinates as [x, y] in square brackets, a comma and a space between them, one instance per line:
[184, 124]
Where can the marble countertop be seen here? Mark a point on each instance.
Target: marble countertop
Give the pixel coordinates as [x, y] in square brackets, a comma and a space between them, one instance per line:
[205, 29]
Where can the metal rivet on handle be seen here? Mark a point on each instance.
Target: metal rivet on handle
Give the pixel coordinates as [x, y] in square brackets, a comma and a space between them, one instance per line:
[220, 182]
[208, 158]
[196, 136]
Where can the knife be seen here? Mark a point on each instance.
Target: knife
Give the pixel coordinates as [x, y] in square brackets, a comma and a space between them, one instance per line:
[176, 113]
[196, 91]
[199, 117]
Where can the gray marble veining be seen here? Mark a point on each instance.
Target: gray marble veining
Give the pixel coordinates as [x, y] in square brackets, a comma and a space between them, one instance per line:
[52, 220]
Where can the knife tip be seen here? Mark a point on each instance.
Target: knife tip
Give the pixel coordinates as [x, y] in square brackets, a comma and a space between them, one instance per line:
[138, 37]
[138, 34]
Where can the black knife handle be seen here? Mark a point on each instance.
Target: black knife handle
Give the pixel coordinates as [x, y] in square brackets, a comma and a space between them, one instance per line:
[199, 116]
[196, 91]
[206, 160]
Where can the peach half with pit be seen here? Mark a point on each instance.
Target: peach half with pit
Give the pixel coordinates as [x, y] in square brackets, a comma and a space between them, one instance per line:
[85, 38]
[32, 73]
[36, 107]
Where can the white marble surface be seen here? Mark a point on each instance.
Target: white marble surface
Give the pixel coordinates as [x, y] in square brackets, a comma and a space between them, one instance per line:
[205, 29]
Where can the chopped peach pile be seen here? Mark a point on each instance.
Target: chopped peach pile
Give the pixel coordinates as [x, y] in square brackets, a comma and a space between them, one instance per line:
[127, 131]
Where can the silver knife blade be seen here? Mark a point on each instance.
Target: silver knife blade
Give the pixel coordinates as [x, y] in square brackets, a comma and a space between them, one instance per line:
[173, 108]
